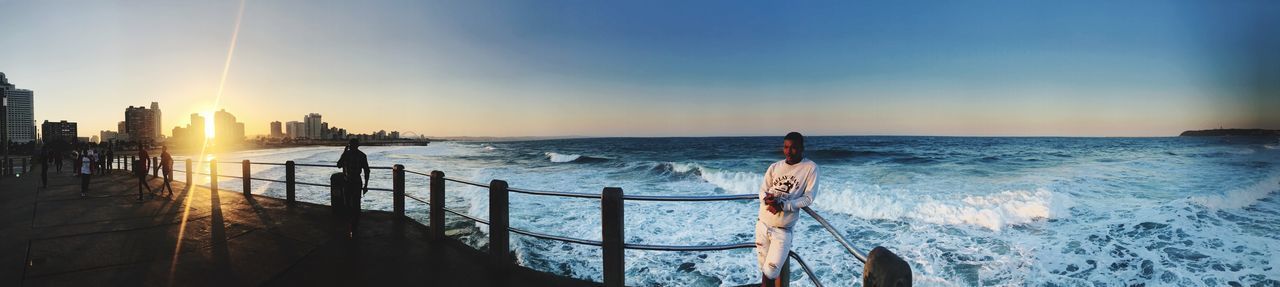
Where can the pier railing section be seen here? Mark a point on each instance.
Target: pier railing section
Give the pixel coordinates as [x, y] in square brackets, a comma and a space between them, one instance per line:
[612, 243]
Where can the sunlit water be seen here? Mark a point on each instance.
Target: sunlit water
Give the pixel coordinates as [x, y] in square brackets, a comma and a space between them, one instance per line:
[961, 211]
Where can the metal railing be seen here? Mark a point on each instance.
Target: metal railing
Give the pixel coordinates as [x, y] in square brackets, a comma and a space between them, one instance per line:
[612, 226]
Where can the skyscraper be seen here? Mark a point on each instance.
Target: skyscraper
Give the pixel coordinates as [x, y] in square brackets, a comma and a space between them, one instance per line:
[226, 129]
[276, 130]
[20, 114]
[140, 124]
[155, 123]
[293, 129]
[123, 131]
[312, 122]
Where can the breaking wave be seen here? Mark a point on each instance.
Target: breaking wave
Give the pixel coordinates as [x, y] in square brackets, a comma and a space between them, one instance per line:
[564, 158]
[1240, 198]
[994, 211]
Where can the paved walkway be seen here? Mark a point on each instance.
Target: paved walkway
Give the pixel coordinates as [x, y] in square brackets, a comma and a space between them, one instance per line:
[53, 237]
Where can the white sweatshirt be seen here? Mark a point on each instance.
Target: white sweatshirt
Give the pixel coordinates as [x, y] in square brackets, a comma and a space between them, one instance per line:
[794, 186]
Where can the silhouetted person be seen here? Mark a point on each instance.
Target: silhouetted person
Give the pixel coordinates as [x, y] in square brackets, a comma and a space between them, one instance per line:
[86, 171]
[352, 163]
[102, 161]
[166, 164]
[111, 156]
[140, 170]
[57, 158]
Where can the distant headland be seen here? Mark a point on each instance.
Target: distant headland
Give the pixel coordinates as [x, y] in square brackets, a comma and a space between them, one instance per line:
[1231, 132]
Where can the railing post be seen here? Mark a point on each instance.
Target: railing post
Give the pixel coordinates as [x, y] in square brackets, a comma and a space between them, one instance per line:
[289, 182]
[189, 173]
[499, 236]
[437, 205]
[611, 225]
[244, 169]
[213, 176]
[397, 187]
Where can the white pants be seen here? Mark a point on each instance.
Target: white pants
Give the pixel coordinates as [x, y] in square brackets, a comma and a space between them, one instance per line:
[773, 245]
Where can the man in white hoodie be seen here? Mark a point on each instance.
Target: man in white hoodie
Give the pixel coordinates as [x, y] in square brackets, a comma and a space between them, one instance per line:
[789, 186]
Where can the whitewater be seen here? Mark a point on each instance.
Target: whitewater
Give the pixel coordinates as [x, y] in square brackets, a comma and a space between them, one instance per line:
[962, 211]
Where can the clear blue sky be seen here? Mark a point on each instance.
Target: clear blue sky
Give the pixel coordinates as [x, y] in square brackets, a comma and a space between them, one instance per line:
[658, 68]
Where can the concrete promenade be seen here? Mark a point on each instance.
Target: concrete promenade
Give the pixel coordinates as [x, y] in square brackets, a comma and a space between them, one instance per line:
[53, 237]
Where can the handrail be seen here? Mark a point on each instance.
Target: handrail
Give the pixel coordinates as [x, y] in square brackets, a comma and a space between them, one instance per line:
[839, 238]
[555, 237]
[719, 247]
[651, 247]
[555, 193]
[467, 182]
[725, 197]
[803, 266]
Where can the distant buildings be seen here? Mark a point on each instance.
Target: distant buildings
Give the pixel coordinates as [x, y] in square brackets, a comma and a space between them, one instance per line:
[108, 136]
[123, 131]
[312, 127]
[155, 121]
[193, 134]
[20, 114]
[226, 129]
[276, 130]
[293, 130]
[58, 131]
[142, 124]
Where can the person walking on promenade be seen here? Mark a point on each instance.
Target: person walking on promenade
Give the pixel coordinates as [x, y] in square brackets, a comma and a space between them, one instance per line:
[77, 155]
[352, 163]
[140, 170]
[166, 164]
[86, 171]
[102, 160]
[789, 185]
[57, 158]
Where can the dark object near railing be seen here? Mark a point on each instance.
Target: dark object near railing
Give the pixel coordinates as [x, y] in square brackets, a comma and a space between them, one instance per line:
[880, 267]
[885, 269]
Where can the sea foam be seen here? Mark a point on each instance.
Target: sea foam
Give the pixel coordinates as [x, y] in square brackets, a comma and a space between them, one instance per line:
[994, 211]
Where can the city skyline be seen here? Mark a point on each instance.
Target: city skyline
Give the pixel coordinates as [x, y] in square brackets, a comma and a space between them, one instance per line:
[659, 69]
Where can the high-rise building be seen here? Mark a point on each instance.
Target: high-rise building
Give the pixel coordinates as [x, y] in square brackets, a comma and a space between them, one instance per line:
[226, 129]
[123, 131]
[140, 124]
[155, 123]
[192, 135]
[196, 128]
[276, 131]
[58, 131]
[324, 130]
[312, 122]
[20, 115]
[294, 129]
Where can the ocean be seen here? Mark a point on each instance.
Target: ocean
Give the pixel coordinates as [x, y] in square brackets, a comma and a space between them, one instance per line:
[962, 211]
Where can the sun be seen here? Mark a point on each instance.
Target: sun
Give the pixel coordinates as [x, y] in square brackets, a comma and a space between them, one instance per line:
[208, 124]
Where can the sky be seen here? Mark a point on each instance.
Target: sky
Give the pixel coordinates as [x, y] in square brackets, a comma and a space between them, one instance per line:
[657, 68]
